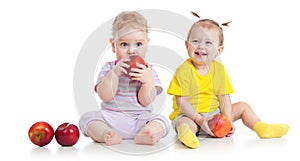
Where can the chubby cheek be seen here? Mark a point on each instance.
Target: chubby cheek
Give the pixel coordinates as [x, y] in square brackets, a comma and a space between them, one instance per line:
[120, 54]
[191, 51]
[142, 52]
[213, 53]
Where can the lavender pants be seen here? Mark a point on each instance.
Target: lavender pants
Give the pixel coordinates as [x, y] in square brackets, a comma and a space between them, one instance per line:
[128, 124]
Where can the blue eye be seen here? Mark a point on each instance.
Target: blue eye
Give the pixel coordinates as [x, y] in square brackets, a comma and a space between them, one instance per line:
[139, 44]
[123, 44]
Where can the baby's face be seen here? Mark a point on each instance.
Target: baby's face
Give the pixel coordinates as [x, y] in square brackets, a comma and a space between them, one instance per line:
[203, 45]
[130, 42]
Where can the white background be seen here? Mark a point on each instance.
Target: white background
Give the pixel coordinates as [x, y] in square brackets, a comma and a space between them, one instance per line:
[40, 42]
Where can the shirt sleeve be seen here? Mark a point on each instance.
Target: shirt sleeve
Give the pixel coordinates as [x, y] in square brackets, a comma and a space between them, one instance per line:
[222, 83]
[103, 72]
[180, 83]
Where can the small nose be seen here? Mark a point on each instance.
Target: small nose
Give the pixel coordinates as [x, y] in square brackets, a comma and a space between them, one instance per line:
[131, 50]
[200, 46]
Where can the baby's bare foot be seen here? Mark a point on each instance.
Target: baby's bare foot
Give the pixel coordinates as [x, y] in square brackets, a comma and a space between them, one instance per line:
[145, 137]
[112, 138]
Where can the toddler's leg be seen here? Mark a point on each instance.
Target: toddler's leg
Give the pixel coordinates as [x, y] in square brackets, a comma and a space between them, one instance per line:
[100, 132]
[251, 120]
[151, 133]
[241, 110]
[186, 129]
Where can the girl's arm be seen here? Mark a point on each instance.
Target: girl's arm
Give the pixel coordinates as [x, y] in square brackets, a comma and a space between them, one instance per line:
[226, 109]
[225, 105]
[187, 109]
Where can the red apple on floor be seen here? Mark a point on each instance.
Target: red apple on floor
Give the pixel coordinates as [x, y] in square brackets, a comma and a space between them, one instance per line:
[67, 134]
[219, 125]
[41, 133]
[133, 60]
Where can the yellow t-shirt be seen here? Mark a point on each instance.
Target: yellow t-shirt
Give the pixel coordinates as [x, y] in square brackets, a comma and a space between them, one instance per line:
[202, 91]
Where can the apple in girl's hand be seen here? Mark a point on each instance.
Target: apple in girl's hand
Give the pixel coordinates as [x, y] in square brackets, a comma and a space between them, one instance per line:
[219, 125]
[41, 133]
[133, 60]
[67, 134]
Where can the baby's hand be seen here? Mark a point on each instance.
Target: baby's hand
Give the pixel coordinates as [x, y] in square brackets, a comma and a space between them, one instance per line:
[120, 66]
[205, 126]
[232, 130]
[143, 73]
[203, 123]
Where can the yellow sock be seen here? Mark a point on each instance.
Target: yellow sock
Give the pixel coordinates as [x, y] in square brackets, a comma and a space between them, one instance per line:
[187, 137]
[265, 130]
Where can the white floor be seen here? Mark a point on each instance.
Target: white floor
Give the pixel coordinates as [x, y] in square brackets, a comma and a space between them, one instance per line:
[244, 145]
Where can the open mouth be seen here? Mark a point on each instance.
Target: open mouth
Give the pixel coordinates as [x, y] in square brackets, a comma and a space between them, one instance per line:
[200, 53]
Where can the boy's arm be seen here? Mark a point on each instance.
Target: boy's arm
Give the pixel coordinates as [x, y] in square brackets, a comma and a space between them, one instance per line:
[107, 88]
[147, 93]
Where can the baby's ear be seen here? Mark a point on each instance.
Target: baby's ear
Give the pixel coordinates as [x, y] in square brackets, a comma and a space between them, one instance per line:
[112, 43]
[220, 49]
[186, 44]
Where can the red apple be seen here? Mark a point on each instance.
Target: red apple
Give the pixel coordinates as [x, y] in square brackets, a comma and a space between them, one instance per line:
[41, 133]
[133, 60]
[219, 125]
[67, 134]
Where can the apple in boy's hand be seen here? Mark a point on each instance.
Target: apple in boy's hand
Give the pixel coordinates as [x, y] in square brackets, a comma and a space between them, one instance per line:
[220, 125]
[67, 134]
[41, 133]
[133, 60]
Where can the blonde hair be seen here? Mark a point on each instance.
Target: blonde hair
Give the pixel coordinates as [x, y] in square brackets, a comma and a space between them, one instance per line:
[209, 24]
[131, 20]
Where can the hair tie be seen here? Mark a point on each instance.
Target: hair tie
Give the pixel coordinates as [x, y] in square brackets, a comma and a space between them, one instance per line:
[226, 24]
[223, 24]
[195, 14]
